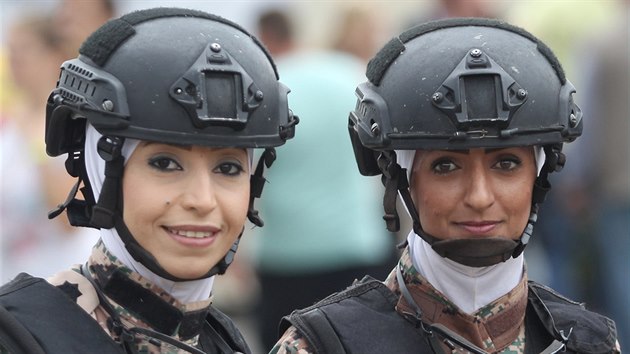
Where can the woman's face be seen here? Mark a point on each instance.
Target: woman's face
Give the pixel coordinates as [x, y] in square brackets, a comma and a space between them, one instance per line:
[474, 193]
[186, 205]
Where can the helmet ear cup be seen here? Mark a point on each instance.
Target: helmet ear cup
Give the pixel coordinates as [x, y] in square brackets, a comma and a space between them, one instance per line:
[366, 158]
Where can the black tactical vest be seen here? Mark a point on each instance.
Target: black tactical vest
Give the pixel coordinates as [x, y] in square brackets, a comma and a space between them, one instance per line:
[36, 317]
[362, 319]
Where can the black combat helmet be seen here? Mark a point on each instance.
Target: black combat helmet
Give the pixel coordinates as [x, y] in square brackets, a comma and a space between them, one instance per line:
[168, 75]
[460, 84]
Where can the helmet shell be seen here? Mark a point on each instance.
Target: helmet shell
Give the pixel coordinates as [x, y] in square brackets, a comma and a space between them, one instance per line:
[461, 84]
[175, 76]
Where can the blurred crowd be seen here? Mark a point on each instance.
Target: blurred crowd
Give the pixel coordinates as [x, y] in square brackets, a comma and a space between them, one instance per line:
[316, 207]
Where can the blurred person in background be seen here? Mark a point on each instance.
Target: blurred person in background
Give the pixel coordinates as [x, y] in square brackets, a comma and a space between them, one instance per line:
[601, 176]
[439, 9]
[76, 19]
[321, 218]
[32, 184]
[468, 8]
[360, 33]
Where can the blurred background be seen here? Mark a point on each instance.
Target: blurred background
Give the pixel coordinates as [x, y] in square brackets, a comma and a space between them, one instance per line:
[323, 226]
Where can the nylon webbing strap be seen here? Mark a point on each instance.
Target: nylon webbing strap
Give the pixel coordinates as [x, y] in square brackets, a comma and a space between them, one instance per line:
[395, 180]
[391, 173]
[110, 150]
[257, 182]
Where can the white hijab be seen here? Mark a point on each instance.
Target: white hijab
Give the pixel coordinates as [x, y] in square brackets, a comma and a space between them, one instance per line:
[470, 288]
[184, 291]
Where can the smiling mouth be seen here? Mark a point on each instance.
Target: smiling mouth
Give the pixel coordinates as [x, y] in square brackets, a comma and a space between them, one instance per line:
[190, 234]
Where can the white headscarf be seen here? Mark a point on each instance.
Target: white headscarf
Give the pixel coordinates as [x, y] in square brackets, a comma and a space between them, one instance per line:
[470, 288]
[184, 291]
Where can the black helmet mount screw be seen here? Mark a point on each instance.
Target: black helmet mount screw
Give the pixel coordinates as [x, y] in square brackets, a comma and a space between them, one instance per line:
[215, 47]
[475, 53]
[521, 93]
[108, 105]
[573, 120]
[437, 97]
[258, 95]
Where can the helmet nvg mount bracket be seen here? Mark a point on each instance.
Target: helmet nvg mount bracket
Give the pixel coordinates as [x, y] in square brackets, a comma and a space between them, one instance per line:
[459, 84]
[168, 75]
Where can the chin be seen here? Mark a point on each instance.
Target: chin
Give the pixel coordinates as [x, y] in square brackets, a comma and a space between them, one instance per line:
[186, 272]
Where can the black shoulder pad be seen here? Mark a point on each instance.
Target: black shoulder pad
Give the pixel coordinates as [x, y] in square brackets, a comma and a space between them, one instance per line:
[587, 331]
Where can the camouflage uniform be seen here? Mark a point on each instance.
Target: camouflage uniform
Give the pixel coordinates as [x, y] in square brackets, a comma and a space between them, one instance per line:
[496, 328]
[88, 300]
[103, 265]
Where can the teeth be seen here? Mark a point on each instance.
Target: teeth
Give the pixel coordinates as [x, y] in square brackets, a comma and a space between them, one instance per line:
[192, 234]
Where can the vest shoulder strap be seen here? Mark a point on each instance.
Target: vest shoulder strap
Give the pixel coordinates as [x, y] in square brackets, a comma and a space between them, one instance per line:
[40, 314]
[323, 323]
[583, 331]
[223, 334]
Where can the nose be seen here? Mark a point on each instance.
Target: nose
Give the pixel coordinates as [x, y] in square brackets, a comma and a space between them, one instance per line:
[479, 193]
[199, 193]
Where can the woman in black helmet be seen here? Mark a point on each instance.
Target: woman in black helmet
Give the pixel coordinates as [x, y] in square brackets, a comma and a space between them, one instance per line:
[464, 119]
[159, 116]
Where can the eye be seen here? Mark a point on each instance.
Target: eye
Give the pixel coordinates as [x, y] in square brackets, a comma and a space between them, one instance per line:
[443, 166]
[164, 163]
[229, 169]
[508, 163]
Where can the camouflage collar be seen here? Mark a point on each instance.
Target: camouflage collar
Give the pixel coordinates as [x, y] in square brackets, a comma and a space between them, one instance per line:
[493, 327]
[141, 303]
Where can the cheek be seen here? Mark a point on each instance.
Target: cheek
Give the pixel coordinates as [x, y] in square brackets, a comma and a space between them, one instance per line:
[141, 205]
[235, 202]
[517, 198]
[431, 202]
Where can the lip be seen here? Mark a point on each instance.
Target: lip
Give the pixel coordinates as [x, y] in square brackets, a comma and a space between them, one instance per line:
[191, 235]
[481, 228]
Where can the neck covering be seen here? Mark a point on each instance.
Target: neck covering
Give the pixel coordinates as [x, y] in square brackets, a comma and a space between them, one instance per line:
[184, 291]
[470, 288]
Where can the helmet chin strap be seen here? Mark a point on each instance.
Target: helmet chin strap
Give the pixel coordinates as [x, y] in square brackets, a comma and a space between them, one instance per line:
[480, 252]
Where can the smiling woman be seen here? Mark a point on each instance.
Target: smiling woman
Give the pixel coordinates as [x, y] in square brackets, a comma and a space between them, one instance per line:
[208, 194]
[159, 116]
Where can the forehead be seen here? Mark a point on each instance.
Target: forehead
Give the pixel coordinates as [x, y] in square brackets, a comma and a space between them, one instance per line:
[485, 150]
[186, 147]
